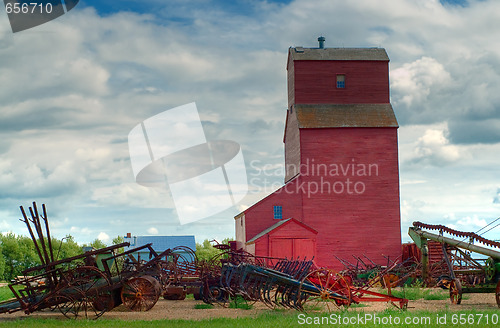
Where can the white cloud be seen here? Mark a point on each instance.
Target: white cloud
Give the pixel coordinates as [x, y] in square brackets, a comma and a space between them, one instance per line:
[83, 231]
[104, 237]
[4, 226]
[152, 231]
[73, 88]
[435, 149]
[471, 223]
[414, 81]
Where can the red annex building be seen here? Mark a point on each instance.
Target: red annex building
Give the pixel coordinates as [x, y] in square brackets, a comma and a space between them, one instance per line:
[341, 192]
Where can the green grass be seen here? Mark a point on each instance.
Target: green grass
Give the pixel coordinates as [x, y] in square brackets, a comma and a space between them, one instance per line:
[6, 293]
[239, 303]
[360, 305]
[416, 293]
[203, 306]
[281, 319]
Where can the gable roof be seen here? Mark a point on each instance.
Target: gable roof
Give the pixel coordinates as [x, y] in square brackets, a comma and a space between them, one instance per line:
[300, 53]
[161, 243]
[276, 226]
[345, 115]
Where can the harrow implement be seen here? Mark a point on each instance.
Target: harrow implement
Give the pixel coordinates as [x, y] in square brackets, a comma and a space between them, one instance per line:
[322, 289]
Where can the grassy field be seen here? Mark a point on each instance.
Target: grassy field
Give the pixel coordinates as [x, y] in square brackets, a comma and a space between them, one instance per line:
[388, 318]
[359, 317]
[5, 293]
[415, 293]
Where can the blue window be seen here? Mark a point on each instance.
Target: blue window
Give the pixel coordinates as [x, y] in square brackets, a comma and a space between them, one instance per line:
[340, 81]
[278, 212]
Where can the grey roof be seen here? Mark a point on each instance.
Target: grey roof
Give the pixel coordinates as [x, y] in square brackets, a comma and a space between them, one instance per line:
[161, 243]
[345, 115]
[262, 233]
[300, 53]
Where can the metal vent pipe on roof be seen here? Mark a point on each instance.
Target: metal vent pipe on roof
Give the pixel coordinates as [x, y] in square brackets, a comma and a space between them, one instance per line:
[321, 41]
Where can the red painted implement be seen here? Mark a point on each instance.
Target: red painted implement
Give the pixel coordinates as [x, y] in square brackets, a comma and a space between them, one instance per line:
[329, 280]
[295, 284]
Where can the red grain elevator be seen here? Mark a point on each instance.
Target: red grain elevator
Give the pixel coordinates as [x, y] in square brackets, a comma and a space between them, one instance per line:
[341, 191]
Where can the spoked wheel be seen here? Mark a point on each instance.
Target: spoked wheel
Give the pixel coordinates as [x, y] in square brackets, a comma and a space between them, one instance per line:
[456, 291]
[325, 287]
[141, 293]
[218, 295]
[497, 294]
[88, 289]
[389, 280]
[67, 305]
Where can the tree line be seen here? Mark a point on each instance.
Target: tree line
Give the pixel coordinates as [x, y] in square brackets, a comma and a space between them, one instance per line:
[18, 253]
[206, 251]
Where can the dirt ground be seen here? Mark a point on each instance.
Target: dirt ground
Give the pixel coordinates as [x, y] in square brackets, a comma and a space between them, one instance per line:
[186, 309]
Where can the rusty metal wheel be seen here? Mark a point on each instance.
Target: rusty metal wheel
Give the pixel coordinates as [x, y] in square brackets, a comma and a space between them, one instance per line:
[321, 288]
[389, 280]
[456, 291]
[218, 295]
[141, 293]
[89, 290]
[68, 306]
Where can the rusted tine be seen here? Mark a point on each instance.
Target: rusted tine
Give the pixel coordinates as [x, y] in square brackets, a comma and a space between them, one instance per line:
[27, 221]
[45, 219]
[36, 222]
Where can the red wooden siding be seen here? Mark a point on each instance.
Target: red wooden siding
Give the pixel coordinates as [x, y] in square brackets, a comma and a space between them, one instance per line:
[350, 223]
[292, 149]
[260, 216]
[292, 248]
[347, 189]
[304, 248]
[315, 82]
[290, 240]
[412, 254]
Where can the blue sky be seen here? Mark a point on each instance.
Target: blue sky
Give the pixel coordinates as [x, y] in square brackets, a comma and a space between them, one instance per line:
[237, 7]
[177, 10]
[73, 88]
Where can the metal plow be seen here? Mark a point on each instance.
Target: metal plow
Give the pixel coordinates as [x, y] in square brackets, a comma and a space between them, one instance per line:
[271, 286]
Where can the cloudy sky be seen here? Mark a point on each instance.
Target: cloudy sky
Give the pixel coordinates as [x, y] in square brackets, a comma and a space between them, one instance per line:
[72, 89]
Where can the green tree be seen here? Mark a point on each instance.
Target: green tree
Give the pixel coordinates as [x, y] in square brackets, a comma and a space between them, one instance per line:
[29, 257]
[18, 253]
[118, 240]
[2, 263]
[65, 248]
[96, 243]
[206, 250]
[120, 260]
[11, 253]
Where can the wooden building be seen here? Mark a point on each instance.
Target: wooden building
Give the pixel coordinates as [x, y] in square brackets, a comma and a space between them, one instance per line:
[341, 191]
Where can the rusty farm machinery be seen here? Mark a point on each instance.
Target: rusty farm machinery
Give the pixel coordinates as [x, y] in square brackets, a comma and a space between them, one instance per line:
[464, 272]
[301, 289]
[89, 284]
[366, 273]
[295, 284]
